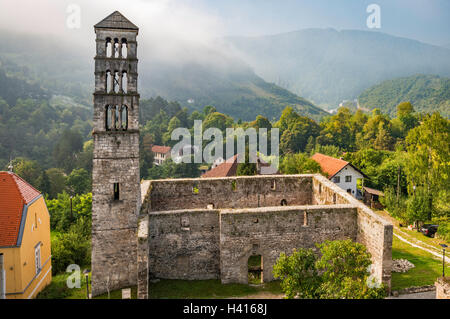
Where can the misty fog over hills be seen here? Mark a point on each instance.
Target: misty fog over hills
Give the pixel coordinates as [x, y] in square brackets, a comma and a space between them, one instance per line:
[327, 66]
[195, 76]
[240, 76]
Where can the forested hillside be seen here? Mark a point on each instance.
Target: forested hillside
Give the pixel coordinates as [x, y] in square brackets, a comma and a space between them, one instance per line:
[327, 66]
[206, 77]
[428, 93]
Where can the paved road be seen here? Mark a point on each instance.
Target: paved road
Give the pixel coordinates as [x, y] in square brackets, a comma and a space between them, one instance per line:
[418, 295]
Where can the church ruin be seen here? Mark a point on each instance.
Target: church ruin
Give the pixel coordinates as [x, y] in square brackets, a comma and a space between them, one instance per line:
[205, 228]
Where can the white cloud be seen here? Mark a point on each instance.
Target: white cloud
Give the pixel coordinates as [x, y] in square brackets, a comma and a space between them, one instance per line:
[166, 25]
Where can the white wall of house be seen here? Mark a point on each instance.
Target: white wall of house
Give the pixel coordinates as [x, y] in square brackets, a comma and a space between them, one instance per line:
[159, 158]
[347, 179]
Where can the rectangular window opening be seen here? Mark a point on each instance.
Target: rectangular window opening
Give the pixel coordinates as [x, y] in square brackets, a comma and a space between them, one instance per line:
[116, 191]
[37, 255]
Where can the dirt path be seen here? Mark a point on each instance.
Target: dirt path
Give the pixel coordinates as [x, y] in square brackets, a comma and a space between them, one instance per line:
[434, 253]
[410, 240]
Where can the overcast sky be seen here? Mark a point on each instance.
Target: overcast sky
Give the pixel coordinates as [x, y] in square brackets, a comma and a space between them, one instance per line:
[200, 20]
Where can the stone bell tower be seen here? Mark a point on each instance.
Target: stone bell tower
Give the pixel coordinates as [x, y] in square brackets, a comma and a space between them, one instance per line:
[116, 194]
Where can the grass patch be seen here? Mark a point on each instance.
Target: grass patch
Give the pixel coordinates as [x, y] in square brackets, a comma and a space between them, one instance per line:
[206, 289]
[427, 240]
[58, 288]
[426, 269]
[164, 289]
[414, 233]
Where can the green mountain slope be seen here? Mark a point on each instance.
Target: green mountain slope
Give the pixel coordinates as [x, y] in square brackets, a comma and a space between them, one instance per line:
[13, 88]
[235, 91]
[327, 66]
[427, 93]
[207, 77]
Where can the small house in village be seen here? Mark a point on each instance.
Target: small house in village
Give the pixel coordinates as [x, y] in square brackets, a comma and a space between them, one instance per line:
[160, 153]
[342, 173]
[24, 238]
[229, 168]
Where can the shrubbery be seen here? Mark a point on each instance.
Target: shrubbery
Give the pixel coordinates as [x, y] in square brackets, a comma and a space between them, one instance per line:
[444, 231]
[340, 272]
[72, 242]
[72, 247]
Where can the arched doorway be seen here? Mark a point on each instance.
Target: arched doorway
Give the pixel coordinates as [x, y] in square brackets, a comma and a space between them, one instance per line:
[255, 269]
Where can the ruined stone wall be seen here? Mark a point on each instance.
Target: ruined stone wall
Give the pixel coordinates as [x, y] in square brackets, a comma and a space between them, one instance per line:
[374, 232]
[142, 258]
[184, 244]
[443, 288]
[230, 192]
[211, 244]
[187, 241]
[269, 232]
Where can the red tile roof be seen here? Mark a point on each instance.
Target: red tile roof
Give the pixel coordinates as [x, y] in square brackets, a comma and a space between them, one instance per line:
[227, 168]
[14, 194]
[329, 165]
[161, 149]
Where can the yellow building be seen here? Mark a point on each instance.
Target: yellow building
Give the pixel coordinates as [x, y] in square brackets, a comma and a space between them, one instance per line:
[24, 237]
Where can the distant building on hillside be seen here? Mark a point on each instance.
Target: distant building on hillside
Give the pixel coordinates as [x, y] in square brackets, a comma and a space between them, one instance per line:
[229, 168]
[341, 172]
[161, 153]
[24, 237]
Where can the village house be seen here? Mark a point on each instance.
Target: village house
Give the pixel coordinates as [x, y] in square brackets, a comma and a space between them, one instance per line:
[229, 168]
[24, 237]
[161, 153]
[342, 173]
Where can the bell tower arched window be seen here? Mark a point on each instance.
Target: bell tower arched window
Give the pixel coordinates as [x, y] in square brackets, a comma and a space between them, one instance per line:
[124, 48]
[108, 117]
[116, 82]
[108, 47]
[124, 81]
[124, 118]
[116, 48]
[116, 118]
[108, 81]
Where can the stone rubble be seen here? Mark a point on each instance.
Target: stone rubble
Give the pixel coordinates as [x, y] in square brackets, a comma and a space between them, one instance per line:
[401, 265]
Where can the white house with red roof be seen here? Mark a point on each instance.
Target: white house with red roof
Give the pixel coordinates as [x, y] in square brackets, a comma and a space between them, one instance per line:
[341, 172]
[160, 154]
[229, 168]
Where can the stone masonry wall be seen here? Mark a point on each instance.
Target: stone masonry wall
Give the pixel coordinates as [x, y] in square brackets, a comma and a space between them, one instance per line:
[211, 244]
[373, 231]
[184, 244]
[268, 232]
[443, 288]
[230, 192]
[187, 240]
